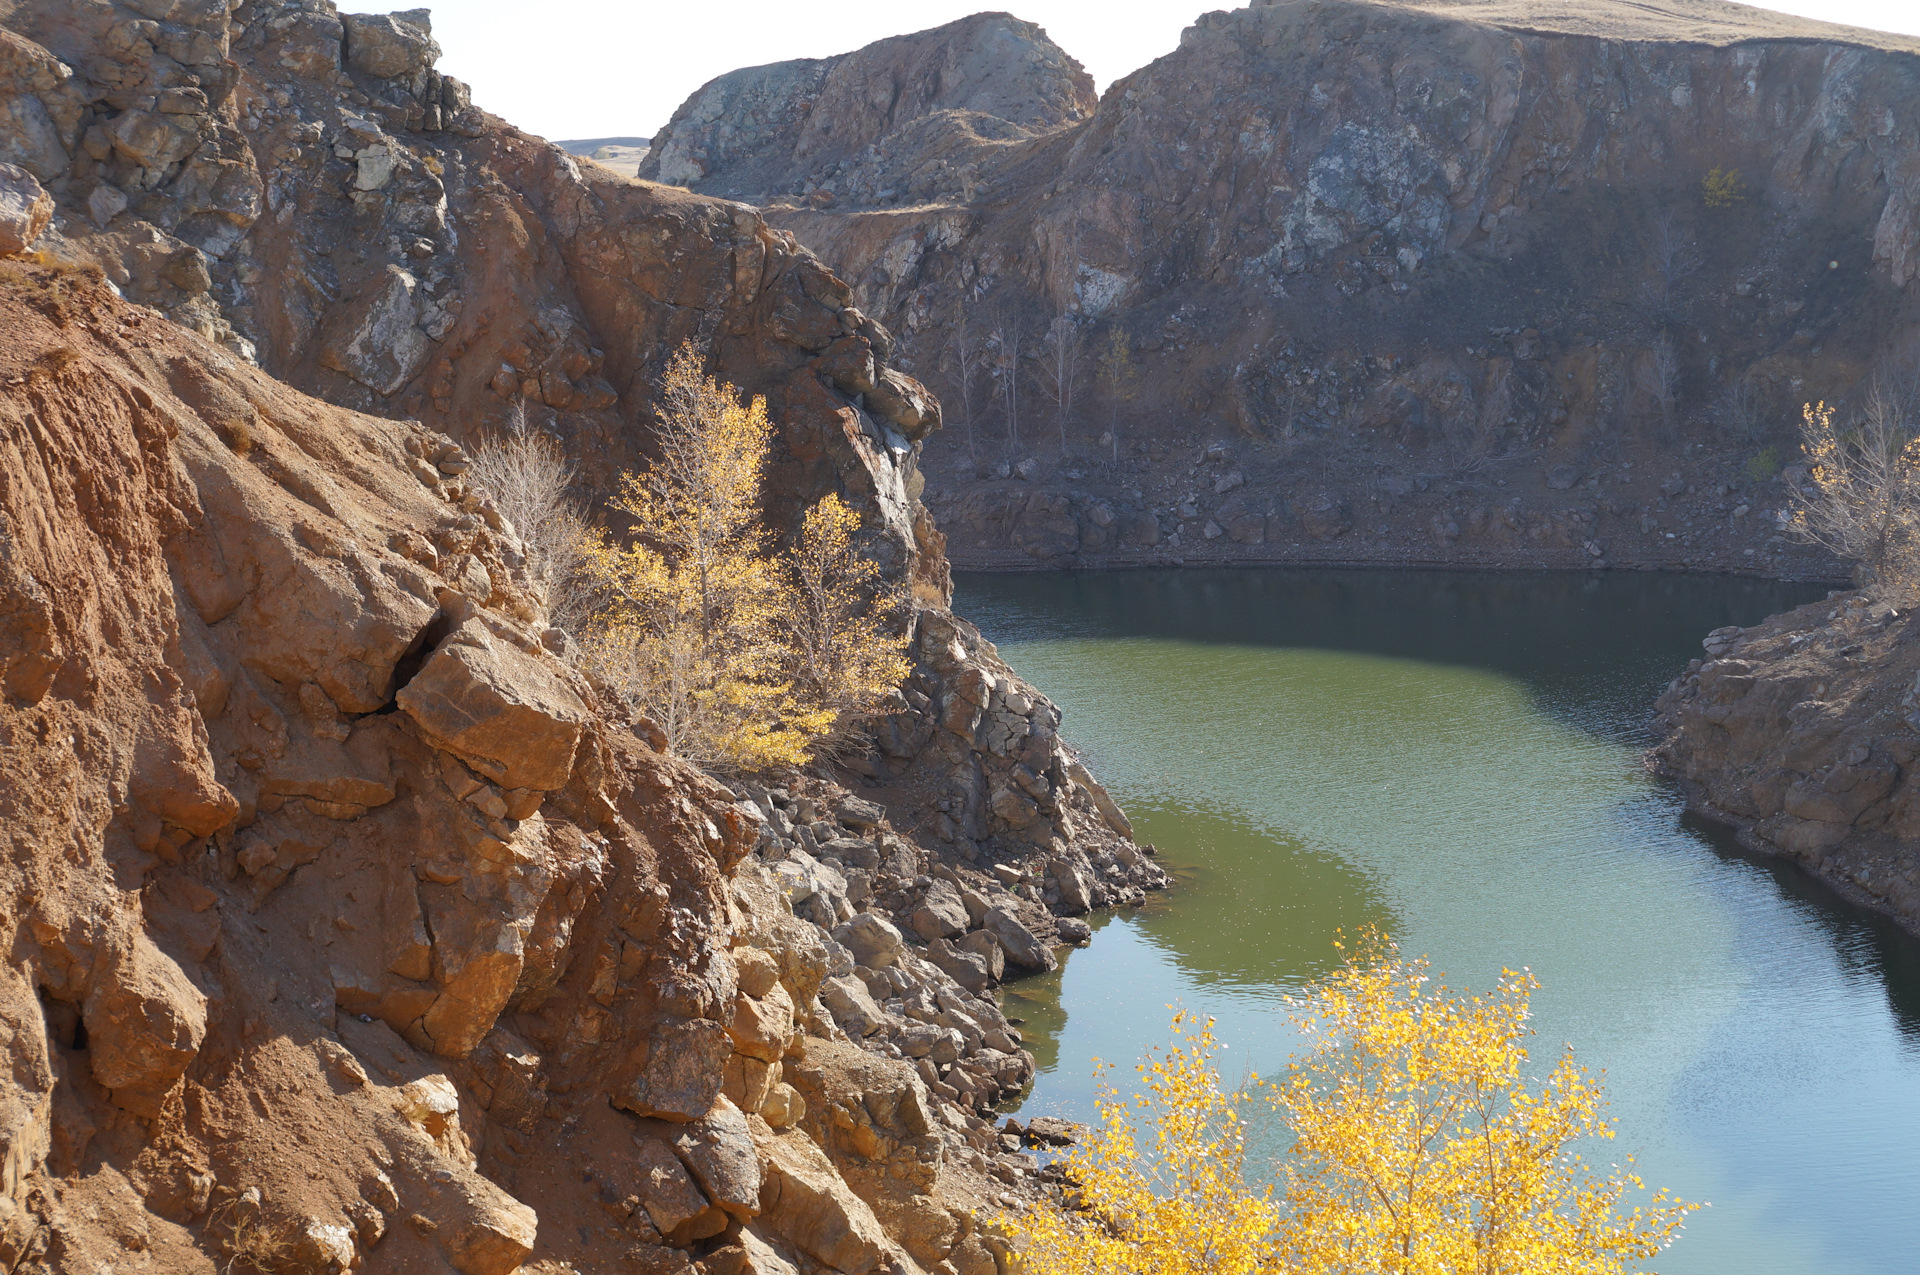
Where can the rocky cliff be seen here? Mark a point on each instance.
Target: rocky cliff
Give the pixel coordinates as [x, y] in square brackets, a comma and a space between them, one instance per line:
[352, 927]
[1803, 732]
[900, 121]
[1484, 282]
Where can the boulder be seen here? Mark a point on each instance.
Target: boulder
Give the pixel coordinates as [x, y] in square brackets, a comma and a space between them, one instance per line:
[969, 969]
[1076, 887]
[1103, 801]
[852, 1006]
[749, 1082]
[25, 210]
[983, 944]
[153, 139]
[784, 1106]
[761, 1257]
[389, 46]
[718, 1150]
[1021, 945]
[806, 1203]
[756, 971]
[666, 1189]
[872, 939]
[684, 1069]
[29, 138]
[145, 1022]
[941, 913]
[376, 337]
[762, 1026]
[502, 711]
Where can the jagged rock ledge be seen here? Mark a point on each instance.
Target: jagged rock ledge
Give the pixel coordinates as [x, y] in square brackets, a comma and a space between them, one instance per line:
[1803, 733]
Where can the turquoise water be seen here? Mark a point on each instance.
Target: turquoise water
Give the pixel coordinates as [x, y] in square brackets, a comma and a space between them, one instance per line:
[1456, 757]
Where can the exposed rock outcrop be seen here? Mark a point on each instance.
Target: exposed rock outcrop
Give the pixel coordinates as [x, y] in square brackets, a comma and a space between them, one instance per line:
[349, 918]
[1803, 732]
[1402, 282]
[870, 126]
[338, 940]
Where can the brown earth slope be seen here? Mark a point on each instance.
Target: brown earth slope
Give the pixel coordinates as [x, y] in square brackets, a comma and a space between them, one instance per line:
[353, 928]
[1409, 283]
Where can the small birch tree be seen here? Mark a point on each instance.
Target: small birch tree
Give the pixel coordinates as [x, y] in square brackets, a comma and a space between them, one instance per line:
[1062, 370]
[964, 349]
[1009, 340]
[1117, 377]
[1419, 1149]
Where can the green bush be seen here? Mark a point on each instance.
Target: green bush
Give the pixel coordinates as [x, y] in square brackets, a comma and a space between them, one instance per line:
[1763, 464]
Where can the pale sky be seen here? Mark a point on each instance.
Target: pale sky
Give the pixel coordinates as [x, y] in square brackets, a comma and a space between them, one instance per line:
[612, 68]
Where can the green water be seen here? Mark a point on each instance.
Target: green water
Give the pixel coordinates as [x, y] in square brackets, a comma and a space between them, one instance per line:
[1456, 757]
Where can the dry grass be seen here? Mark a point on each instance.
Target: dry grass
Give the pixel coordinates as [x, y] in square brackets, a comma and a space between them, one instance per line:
[251, 1241]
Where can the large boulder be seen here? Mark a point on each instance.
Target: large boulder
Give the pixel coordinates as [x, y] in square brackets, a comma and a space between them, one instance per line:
[684, 1068]
[872, 939]
[145, 1022]
[504, 712]
[941, 913]
[390, 46]
[1021, 945]
[718, 1150]
[667, 1191]
[807, 1204]
[25, 210]
[762, 1026]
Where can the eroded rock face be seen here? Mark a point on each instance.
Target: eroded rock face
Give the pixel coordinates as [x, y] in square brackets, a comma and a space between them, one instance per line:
[1802, 732]
[364, 920]
[1360, 253]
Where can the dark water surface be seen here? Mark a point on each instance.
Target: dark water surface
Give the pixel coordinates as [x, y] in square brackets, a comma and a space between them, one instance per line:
[1455, 757]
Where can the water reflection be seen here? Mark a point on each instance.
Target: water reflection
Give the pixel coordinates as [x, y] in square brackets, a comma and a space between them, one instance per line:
[1872, 944]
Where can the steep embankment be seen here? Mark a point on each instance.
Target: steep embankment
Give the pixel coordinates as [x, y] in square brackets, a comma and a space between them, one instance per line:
[347, 917]
[1400, 282]
[1802, 732]
[343, 910]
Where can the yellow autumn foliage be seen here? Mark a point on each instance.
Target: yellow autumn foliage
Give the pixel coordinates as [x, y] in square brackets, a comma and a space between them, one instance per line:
[745, 657]
[1722, 188]
[1418, 1149]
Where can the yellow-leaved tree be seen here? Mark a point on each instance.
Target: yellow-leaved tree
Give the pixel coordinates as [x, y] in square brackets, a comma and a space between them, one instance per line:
[1419, 1149]
[1182, 1205]
[845, 659]
[746, 658]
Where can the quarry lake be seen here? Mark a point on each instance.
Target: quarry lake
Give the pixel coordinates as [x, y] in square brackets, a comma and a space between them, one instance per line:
[1457, 758]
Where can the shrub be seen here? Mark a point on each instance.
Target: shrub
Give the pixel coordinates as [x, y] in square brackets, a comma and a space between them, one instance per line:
[1418, 1147]
[1861, 498]
[1722, 188]
[531, 481]
[1762, 465]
